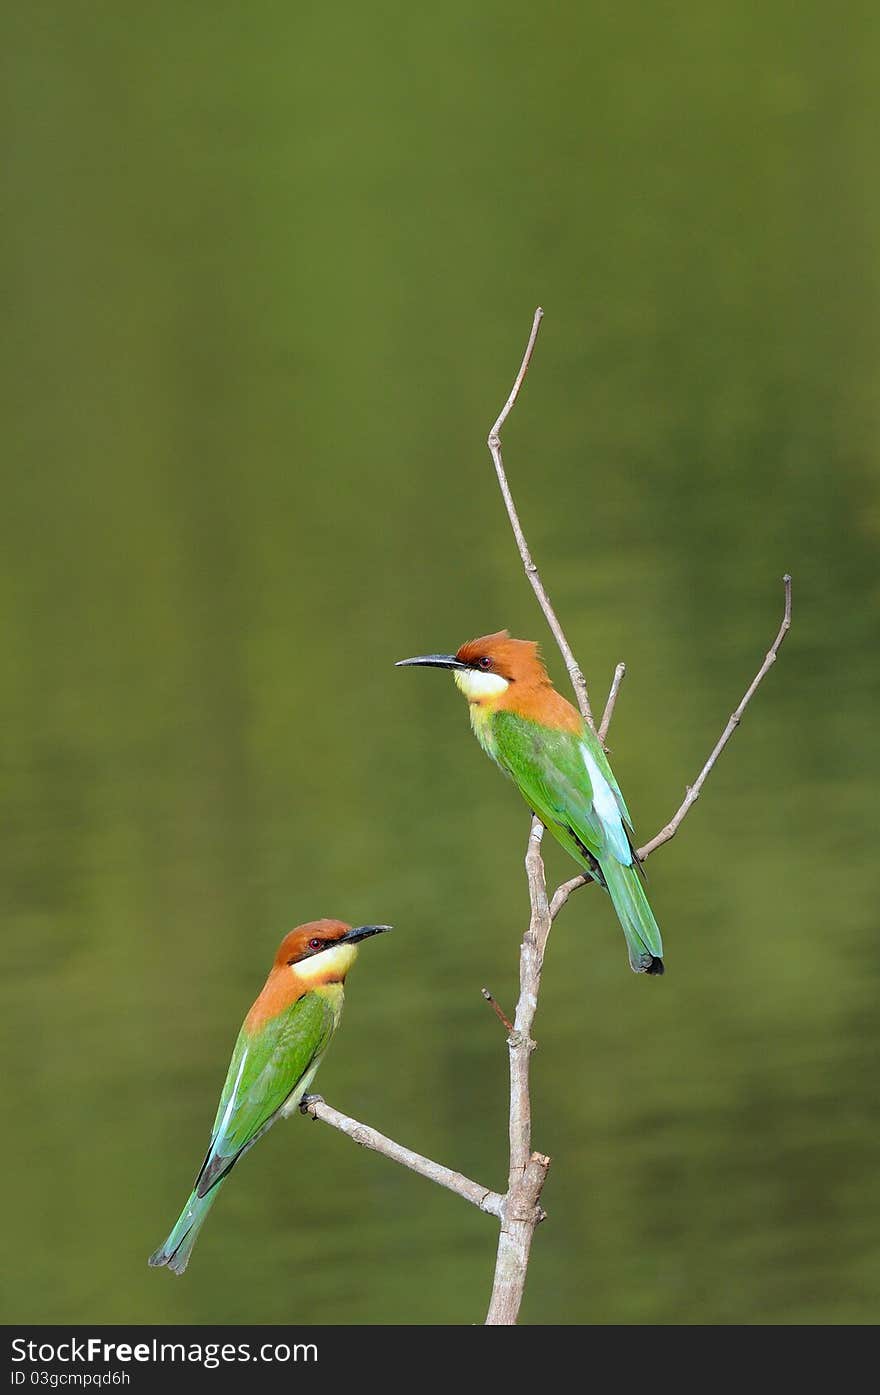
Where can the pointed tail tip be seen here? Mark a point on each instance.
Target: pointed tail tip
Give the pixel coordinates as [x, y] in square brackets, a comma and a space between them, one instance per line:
[655, 966]
[175, 1260]
[162, 1258]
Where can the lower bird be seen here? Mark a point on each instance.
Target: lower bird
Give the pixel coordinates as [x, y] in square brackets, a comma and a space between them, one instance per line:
[560, 769]
[279, 1048]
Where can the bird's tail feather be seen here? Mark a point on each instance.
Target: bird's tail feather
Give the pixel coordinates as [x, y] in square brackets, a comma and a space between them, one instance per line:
[178, 1247]
[636, 917]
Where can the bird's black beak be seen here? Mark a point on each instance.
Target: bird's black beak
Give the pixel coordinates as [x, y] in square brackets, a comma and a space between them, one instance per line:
[432, 661]
[363, 932]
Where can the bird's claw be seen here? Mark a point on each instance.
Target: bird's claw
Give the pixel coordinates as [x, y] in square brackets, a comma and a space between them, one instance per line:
[308, 1100]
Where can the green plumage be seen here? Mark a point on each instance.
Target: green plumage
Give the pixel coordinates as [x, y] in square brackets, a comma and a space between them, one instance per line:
[566, 780]
[271, 1069]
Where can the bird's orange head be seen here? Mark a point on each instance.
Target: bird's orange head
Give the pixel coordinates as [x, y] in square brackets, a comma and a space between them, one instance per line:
[497, 672]
[314, 954]
[514, 660]
[489, 664]
[309, 939]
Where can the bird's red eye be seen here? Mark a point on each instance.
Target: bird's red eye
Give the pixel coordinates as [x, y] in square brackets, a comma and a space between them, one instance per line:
[485, 661]
[314, 944]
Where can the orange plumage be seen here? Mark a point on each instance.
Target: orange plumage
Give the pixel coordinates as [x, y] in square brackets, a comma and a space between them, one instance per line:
[284, 985]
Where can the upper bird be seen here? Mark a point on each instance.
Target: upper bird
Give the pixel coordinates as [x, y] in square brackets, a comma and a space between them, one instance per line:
[279, 1048]
[560, 769]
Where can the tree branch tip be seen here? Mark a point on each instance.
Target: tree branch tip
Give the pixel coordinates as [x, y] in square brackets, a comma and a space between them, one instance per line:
[498, 1010]
[616, 683]
[786, 619]
[693, 792]
[533, 848]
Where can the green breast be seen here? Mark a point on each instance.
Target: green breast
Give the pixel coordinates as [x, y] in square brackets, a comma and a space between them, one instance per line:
[334, 995]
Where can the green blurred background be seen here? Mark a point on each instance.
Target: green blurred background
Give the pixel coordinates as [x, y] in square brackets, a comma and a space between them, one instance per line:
[268, 272]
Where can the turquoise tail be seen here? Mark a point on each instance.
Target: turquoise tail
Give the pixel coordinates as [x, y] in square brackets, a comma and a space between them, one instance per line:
[636, 917]
[178, 1247]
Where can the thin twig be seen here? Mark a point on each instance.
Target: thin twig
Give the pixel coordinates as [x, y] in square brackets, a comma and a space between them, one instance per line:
[693, 791]
[497, 1009]
[564, 890]
[578, 682]
[481, 1197]
[619, 675]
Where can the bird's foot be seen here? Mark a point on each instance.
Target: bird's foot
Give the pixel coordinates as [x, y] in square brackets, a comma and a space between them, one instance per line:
[308, 1100]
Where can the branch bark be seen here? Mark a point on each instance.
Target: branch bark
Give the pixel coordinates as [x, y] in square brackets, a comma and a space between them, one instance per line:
[619, 675]
[481, 1197]
[520, 1209]
[497, 1009]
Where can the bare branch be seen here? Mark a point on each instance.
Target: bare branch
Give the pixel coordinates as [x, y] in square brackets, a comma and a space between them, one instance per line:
[497, 1009]
[495, 433]
[480, 1197]
[520, 1208]
[564, 890]
[619, 675]
[521, 1212]
[693, 791]
[578, 682]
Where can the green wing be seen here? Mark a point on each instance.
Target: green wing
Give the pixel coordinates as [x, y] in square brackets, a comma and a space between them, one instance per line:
[568, 782]
[265, 1069]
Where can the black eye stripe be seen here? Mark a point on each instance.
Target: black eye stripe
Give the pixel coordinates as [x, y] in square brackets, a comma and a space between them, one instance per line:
[311, 948]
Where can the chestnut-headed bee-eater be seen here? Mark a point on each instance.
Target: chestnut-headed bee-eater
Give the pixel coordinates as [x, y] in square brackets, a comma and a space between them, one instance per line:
[560, 769]
[279, 1048]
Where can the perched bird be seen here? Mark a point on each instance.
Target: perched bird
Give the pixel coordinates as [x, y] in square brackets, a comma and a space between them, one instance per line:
[560, 769]
[279, 1048]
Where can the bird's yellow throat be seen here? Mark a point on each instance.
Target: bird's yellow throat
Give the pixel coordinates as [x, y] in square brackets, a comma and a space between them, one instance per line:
[478, 686]
[326, 967]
